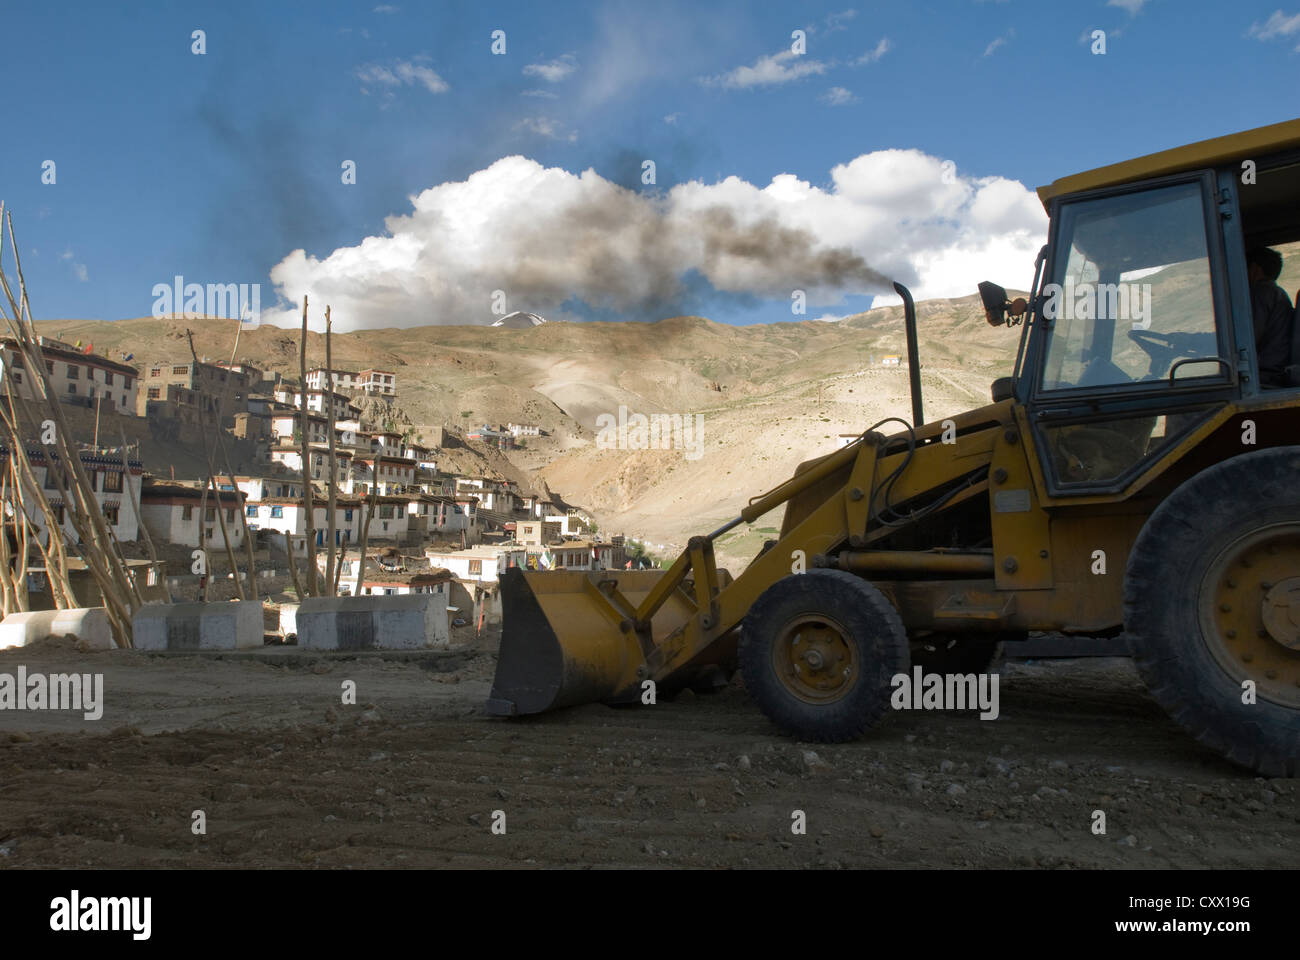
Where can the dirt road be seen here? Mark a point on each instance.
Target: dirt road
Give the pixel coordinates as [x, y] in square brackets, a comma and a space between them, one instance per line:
[286, 775]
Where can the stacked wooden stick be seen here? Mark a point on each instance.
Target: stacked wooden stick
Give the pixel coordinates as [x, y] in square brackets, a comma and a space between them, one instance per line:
[41, 416]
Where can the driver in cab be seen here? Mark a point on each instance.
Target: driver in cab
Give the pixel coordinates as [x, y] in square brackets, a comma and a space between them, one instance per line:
[1272, 313]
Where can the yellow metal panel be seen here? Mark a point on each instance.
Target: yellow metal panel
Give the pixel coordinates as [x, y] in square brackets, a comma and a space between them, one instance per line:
[1021, 537]
[1250, 144]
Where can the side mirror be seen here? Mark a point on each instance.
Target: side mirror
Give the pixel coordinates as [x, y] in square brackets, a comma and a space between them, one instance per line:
[996, 308]
[995, 303]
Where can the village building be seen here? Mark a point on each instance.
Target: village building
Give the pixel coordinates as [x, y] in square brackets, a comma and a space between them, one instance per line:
[382, 383]
[285, 427]
[523, 429]
[177, 513]
[536, 533]
[485, 564]
[286, 515]
[264, 488]
[317, 401]
[75, 376]
[390, 474]
[116, 482]
[381, 441]
[208, 381]
[341, 380]
[579, 555]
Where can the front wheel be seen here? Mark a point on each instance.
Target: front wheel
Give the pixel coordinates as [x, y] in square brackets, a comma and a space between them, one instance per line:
[818, 652]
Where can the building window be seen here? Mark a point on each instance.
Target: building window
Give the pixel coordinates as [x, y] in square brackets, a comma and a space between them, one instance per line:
[74, 371]
[277, 513]
[154, 393]
[156, 372]
[187, 512]
[110, 514]
[250, 511]
[50, 483]
[49, 366]
[126, 382]
[18, 377]
[112, 481]
[210, 514]
[72, 388]
[475, 568]
[108, 379]
[230, 515]
[180, 371]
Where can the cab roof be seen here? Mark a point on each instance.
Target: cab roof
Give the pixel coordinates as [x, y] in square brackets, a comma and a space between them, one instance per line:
[1207, 153]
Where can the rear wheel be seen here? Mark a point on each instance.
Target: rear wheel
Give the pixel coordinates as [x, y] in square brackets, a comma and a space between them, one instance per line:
[1212, 608]
[818, 651]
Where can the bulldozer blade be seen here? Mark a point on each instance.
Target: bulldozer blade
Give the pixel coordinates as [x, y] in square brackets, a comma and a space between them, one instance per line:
[561, 641]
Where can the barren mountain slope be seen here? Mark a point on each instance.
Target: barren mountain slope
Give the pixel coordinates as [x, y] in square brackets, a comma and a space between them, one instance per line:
[769, 395]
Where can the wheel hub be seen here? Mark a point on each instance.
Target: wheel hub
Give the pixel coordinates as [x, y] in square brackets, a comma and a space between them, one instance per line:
[1281, 612]
[1250, 611]
[815, 659]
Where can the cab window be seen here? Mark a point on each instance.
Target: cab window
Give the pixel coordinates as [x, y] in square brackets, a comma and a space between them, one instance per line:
[1130, 293]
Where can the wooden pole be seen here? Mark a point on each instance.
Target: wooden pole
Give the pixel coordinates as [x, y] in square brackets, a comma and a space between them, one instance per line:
[365, 536]
[293, 570]
[332, 501]
[308, 493]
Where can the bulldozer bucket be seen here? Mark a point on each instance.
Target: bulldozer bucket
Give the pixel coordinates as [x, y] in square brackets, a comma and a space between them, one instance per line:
[565, 640]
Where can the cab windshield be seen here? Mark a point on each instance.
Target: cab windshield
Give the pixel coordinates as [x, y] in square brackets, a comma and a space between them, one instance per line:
[1130, 291]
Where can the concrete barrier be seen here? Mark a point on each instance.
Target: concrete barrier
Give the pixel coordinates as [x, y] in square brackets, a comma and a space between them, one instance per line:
[413, 621]
[224, 625]
[288, 620]
[88, 624]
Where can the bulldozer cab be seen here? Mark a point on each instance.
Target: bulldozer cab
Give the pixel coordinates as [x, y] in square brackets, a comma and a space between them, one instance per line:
[1144, 326]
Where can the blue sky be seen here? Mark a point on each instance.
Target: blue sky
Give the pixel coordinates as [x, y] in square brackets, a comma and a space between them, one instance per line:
[218, 166]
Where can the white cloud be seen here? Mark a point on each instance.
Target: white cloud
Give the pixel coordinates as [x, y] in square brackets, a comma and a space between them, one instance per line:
[1278, 25]
[838, 97]
[544, 235]
[402, 73]
[1133, 7]
[546, 127]
[386, 8]
[80, 270]
[552, 71]
[67, 254]
[771, 70]
[873, 55]
[672, 119]
[542, 94]
[839, 21]
[999, 42]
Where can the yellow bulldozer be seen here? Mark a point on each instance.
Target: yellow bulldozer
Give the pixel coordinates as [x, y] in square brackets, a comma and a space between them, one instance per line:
[1137, 475]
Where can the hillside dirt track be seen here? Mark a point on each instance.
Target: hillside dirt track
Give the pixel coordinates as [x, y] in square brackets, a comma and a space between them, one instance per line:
[411, 775]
